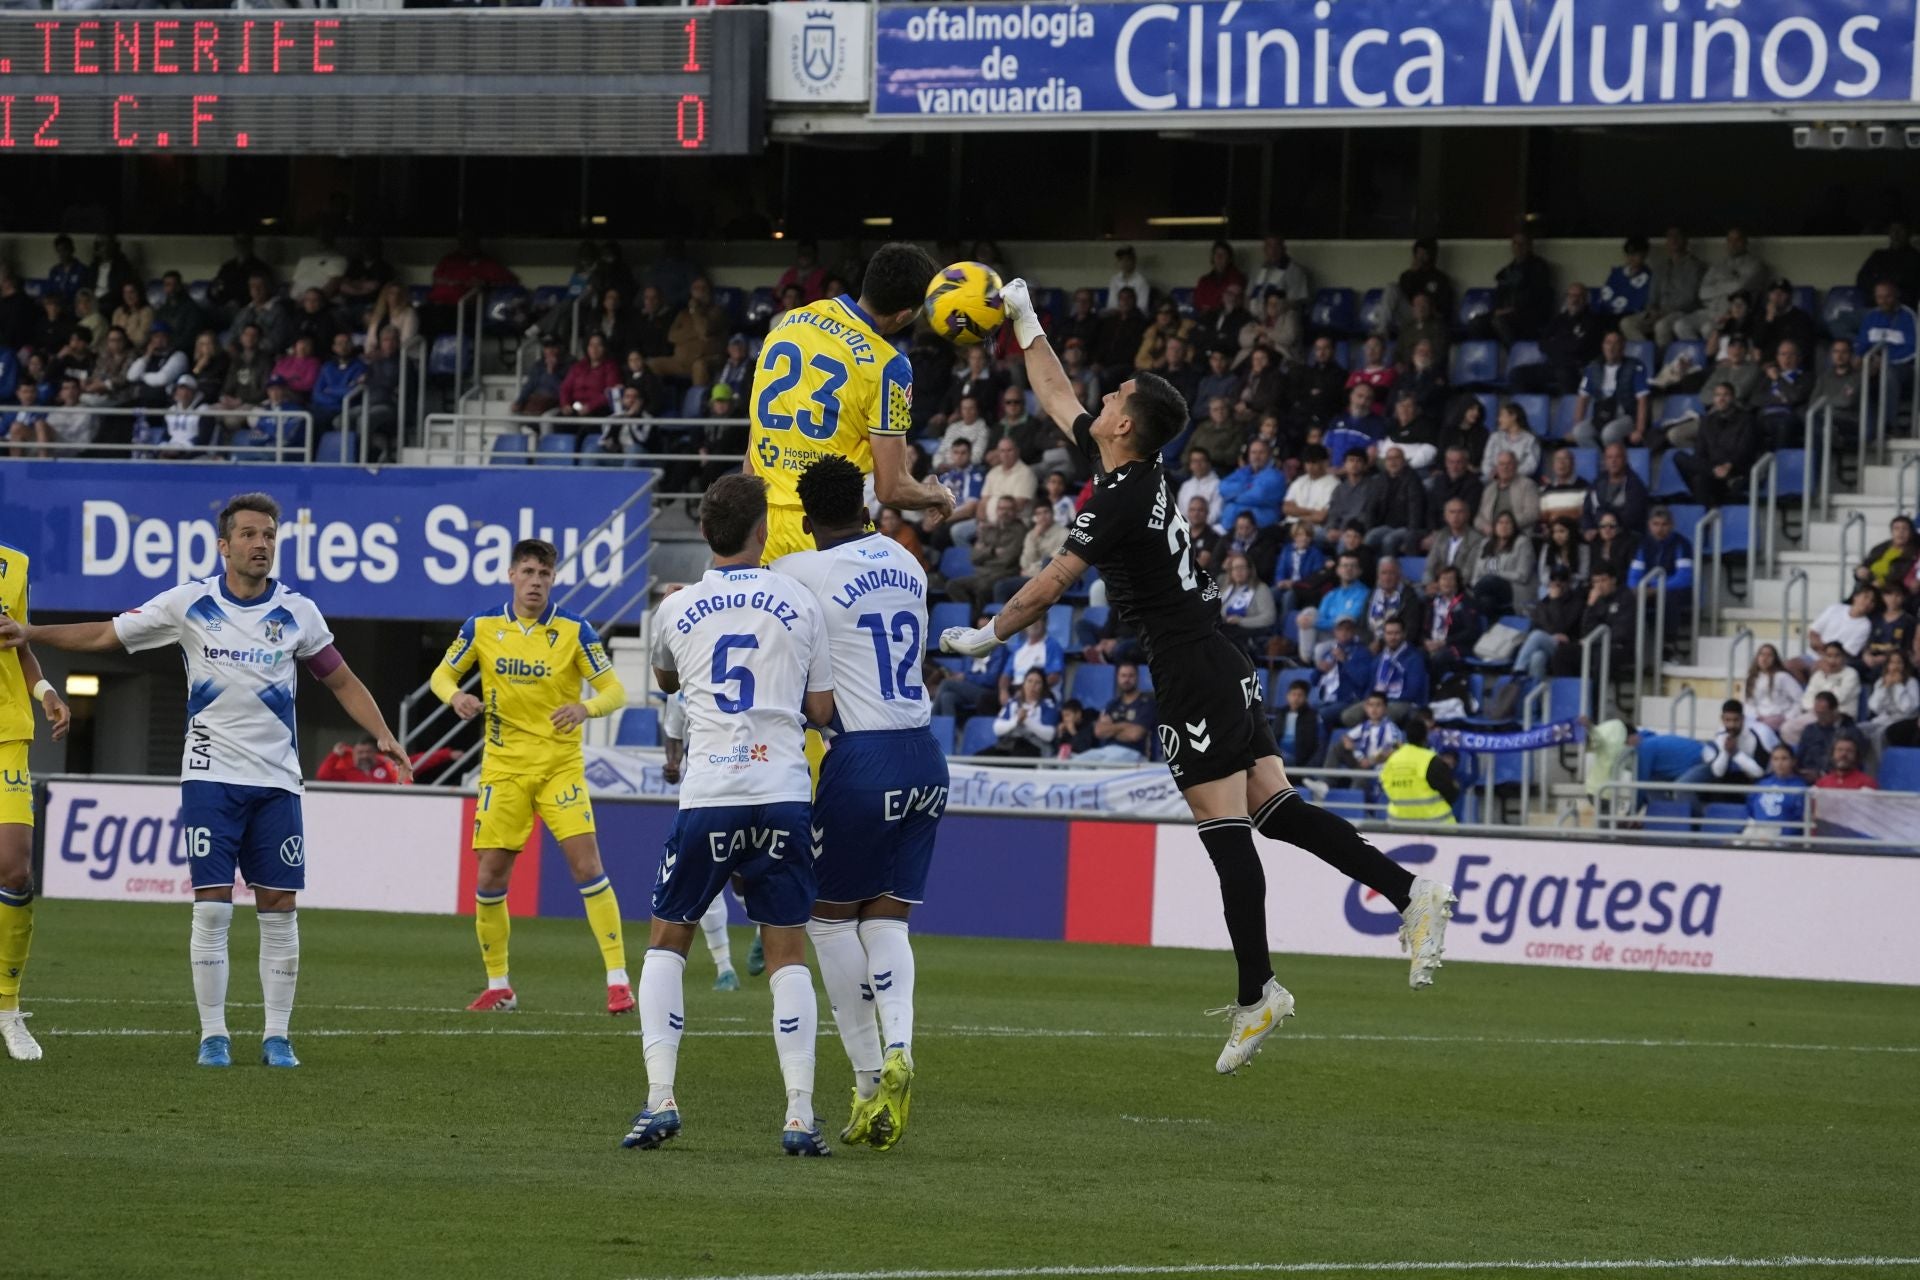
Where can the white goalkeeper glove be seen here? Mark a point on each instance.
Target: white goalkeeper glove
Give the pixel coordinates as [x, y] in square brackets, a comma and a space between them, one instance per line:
[969, 642]
[1019, 305]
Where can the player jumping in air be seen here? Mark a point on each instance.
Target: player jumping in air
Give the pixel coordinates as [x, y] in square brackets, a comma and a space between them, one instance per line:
[535, 660]
[829, 384]
[242, 634]
[19, 672]
[748, 647]
[1216, 739]
[882, 790]
[713, 925]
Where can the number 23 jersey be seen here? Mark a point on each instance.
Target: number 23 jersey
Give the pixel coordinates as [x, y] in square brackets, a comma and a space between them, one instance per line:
[1130, 531]
[826, 382]
[748, 645]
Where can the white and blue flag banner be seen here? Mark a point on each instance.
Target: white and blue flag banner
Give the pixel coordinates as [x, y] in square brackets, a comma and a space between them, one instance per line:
[1543, 735]
[1432, 58]
[421, 542]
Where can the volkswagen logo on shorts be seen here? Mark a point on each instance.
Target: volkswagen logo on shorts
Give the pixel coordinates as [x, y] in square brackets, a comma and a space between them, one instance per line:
[293, 851]
[1169, 741]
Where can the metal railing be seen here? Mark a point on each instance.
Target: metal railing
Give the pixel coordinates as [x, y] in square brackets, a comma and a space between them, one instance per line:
[278, 451]
[1873, 413]
[466, 439]
[1855, 520]
[1734, 681]
[1798, 578]
[473, 299]
[1716, 563]
[1533, 710]
[1644, 654]
[1602, 638]
[1763, 520]
[1692, 700]
[1902, 501]
[1818, 482]
[411, 728]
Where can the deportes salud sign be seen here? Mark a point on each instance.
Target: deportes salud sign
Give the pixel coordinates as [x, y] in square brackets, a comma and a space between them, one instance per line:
[411, 542]
[1436, 58]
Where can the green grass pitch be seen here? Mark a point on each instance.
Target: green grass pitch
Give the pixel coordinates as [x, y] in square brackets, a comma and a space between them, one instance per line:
[1066, 1116]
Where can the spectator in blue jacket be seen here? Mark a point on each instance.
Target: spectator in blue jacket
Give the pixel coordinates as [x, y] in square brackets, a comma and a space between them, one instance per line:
[1891, 327]
[1257, 488]
[1345, 666]
[1298, 563]
[1348, 599]
[1356, 430]
[1664, 547]
[1399, 675]
[278, 420]
[1777, 806]
[68, 275]
[338, 376]
[1628, 285]
[1613, 398]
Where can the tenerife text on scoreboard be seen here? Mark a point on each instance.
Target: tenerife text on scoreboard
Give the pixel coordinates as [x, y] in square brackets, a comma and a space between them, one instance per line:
[1436, 58]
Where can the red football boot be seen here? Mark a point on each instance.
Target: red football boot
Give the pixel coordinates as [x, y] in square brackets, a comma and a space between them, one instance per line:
[495, 1000]
[619, 999]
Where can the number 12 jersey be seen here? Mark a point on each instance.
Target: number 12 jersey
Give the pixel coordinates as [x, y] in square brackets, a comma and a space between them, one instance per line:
[874, 596]
[748, 646]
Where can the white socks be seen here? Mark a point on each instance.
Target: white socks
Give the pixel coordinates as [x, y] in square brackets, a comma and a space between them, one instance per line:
[843, 967]
[796, 1018]
[890, 961]
[208, 952]
[279, 968]
[663, 1020]
[714, 926]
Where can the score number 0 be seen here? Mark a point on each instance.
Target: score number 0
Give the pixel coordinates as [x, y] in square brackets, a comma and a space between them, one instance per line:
[690, 114]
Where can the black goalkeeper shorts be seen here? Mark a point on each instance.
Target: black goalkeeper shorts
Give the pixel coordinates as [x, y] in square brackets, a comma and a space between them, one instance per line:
[1212, 722]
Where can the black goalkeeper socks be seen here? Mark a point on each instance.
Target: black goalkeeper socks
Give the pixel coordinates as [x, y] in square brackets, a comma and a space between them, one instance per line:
[1332, 839]
[1243, 895]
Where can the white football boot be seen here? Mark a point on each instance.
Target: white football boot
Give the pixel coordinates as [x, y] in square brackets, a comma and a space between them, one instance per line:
[1423, 929]
[1251, 1024]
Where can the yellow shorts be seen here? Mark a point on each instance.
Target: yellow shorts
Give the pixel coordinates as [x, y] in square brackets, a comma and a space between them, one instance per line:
[503, 817]
[784, 534]
[16, 785]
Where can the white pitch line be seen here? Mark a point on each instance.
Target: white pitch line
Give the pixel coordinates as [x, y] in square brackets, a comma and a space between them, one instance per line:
[1037, 1033]
[350, 1008]
[1351, 1268]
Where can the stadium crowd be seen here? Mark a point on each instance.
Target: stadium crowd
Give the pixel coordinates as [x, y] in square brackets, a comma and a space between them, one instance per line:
[1399, 498]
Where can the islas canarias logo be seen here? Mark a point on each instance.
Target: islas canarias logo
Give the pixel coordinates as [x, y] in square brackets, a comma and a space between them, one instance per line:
[743, 755]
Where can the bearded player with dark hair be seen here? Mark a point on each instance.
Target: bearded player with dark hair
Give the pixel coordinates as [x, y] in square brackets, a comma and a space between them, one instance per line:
[1213, 732]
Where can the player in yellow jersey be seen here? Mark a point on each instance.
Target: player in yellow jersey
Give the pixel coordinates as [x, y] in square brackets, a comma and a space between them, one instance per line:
[535, 662]
[829, 384]
[19, 673]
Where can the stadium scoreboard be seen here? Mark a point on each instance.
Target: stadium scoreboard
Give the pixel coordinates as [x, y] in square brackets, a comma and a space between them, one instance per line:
[442, 82]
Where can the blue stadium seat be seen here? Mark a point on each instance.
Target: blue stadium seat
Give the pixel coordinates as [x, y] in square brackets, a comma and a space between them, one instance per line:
[1170, 456]
[1476, 364]
[956, 562]
[1474, 303]
[1678, 406]
[1560, 418]
[1586, 463]
[1668, 484]
[761, 304]
[1640, 461]
[1524, 353]
[1790, 480]
[1334, 311]
[1900, 769]
[444, 353]
[35, 287]
[1736, 530]
[1292, 676]
[198, 290]
[1182, 300]
[977, 736]
[1669, 815]
[556, 450]
[1060, 625]
[1563, 698]
[1373, 311]
[156, 294]
[1803, 298]
[1095, 615]
[1491, 404]
[508, 446]
[1078, 592]
[596, 452]
[1092, 683]
[1698, 350]
[942, 729]
[927, 446]
[638, 727]
[1348, 802]
[1536, 407]
[1685, 516]
[1146, 678]
[1724, 817]
[1052, 301]
[691, 402]
[1646, 353]
[733, 302]
[948, 614]
[338, 446]
[1840, 312]
[1413, 568]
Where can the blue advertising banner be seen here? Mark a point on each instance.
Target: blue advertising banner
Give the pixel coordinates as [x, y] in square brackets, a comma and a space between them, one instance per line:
[1432, 57]
[1544, 735]
[399, 542]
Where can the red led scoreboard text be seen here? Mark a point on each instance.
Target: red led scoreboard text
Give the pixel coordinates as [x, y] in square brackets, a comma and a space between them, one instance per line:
[638, 82]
